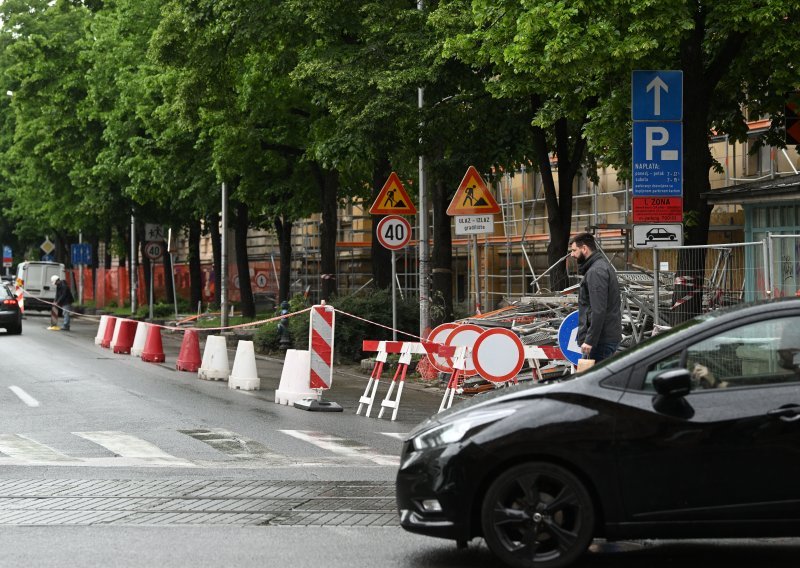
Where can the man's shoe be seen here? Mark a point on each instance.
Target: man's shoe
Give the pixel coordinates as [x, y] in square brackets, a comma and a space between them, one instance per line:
[65, 328]
[54, 328]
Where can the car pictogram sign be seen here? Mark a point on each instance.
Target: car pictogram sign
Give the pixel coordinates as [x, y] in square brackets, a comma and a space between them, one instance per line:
[393, 199]
[473, 197]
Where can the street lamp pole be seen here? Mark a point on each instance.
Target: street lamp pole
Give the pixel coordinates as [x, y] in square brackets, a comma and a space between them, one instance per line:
[424, 268]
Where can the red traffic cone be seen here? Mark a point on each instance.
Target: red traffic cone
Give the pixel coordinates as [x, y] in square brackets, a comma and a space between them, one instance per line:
[153, 349]
[189, 357]
[127, 329]
[109, 332]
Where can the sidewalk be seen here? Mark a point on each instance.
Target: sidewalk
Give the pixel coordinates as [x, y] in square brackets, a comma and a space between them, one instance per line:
[419, 400]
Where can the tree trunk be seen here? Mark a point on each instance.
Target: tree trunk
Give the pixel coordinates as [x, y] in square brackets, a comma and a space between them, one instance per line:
[442, 258]
[328, 186]
[146, 265]
[216, 253]
[697, 93]
[95, 240]
[241, 226]
[283, 228]
[381, 256]
[195, 273]
[107, 255]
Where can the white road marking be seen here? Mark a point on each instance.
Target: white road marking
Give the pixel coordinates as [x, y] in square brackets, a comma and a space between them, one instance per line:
[343, 446]
[27, 450]
[23, 396]
[129, 446]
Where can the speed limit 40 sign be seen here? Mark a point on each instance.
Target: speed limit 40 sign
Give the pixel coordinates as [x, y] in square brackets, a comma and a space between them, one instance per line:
[154, 250]
[393, 232]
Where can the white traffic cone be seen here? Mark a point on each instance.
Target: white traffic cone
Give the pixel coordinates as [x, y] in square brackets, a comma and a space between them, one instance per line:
[116, 333]
[139, 339]
[244, 375]
[101, 330]
[214, 366]
[294, 378]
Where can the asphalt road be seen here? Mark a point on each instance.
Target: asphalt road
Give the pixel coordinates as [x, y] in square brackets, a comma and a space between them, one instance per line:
[106, 460]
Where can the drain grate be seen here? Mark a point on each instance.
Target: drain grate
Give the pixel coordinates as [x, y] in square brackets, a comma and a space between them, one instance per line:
[196, 502]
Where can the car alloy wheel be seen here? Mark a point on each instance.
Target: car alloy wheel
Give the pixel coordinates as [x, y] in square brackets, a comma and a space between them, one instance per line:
[537, 515]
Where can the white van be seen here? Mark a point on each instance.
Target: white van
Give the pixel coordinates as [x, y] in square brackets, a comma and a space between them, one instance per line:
[34, 277]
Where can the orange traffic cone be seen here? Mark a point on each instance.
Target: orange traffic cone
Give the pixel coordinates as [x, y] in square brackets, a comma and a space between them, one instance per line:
[189, 357]
[109, 332]
[153, 348]
[127, 329]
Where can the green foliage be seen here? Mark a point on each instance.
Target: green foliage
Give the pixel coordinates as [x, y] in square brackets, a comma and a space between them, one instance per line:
[267, 338]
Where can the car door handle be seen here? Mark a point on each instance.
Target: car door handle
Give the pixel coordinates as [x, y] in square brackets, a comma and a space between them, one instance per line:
[786, 413]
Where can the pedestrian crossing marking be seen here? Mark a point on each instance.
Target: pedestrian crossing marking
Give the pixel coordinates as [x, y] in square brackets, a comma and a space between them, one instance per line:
[236, 446]
[21, 447]
[129, 446]
[242, 453]
[343, 446]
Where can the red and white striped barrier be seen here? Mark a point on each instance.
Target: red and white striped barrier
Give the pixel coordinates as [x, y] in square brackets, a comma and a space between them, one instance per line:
[320, 342]
[406, 349]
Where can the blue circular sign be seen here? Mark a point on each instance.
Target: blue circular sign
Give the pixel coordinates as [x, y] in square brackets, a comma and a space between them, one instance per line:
[568, 338]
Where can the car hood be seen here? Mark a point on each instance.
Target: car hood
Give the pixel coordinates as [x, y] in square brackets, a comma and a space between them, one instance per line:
[513, 394]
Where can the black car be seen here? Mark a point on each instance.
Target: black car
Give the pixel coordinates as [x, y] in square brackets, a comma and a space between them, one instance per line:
[692, 434]
[10, 314]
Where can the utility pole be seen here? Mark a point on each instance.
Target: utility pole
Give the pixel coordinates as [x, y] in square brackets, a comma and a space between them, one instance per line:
[424, 269]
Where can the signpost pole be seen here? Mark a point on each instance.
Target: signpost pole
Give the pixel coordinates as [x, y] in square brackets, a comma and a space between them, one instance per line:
[394, 296]
[655, 288]
[476, 272]
[223, 277]
[132, 264]
[152, 264]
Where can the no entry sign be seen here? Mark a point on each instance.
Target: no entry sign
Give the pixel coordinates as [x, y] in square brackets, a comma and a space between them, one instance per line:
[498, 355]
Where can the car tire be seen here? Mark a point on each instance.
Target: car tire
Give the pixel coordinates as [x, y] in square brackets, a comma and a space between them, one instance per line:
[649, 237]
[537, 515]
[16, 330]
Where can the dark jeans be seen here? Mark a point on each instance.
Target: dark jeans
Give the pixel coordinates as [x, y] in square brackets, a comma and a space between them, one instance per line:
[603, 351]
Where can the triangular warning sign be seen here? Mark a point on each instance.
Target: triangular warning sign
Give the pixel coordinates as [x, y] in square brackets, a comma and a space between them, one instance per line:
[393, 199]
[472, 197]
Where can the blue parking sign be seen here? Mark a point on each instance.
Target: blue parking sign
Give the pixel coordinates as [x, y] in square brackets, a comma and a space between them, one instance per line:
[657, 159]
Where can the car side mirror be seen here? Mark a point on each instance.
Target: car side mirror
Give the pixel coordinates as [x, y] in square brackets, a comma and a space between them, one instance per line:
[673, 383]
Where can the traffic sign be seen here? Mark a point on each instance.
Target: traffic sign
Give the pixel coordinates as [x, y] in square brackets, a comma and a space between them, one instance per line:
[498, 355]
[439, 335]
[8, 257]
[393, 199]
[464, 336]
[568, 338]
[661, 235]
[393, 232]
[154, 250]
[47, 246]
[472, 197]
[81, 253]
[474, 224]
[657, 95]
[657, 209]
[657, 159]
[154, 232]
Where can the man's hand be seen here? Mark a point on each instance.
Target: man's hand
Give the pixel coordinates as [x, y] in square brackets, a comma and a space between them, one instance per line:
[586, 349]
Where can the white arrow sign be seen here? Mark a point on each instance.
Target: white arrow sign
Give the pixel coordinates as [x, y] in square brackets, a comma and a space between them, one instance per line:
[656, 85]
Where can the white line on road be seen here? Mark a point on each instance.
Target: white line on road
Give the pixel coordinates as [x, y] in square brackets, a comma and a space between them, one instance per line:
[397, 435]
[343, 446]
[129, 446]
[23, 396]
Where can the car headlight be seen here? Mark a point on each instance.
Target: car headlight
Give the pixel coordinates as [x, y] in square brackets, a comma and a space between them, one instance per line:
[452, 432]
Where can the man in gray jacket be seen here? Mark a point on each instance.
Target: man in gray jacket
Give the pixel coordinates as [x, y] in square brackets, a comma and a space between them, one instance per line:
[599, 306]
